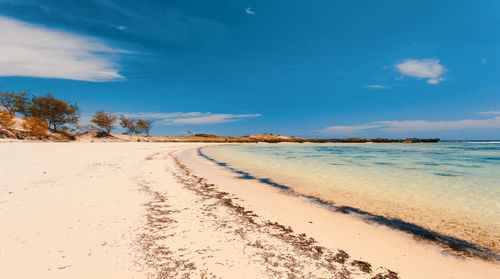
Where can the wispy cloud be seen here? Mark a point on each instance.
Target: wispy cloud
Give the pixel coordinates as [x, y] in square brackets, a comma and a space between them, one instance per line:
[346, 129]
[421, 125]
[429, 69]
[249, 11]
[212, 118]
[378, 86]
[417, 125]
[179, 118]
[35, 51]
[490, 112]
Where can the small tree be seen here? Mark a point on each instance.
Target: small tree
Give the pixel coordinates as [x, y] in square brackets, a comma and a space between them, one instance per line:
[104, 121]
[129, 124]
[6, 120]
[144, 126]
[55, 113]
[35, 127]
[15, 102]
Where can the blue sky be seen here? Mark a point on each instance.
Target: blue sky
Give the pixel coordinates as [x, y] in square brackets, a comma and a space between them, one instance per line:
[323, 69]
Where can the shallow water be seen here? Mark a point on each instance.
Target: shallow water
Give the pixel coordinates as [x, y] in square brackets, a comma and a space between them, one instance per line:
[451, 187]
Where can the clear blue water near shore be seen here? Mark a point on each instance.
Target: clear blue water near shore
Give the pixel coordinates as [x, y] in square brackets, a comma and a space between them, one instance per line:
[450, 187]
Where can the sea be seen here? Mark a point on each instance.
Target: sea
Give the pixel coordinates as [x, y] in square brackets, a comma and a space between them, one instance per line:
[446, 191]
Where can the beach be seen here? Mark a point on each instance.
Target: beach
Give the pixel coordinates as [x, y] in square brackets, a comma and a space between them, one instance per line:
[160, 210]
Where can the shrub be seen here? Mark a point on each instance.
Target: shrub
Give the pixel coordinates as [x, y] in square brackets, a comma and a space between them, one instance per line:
[35, 127]
[6, 120]
[205, 135]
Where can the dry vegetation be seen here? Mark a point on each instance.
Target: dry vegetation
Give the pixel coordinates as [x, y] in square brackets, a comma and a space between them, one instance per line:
[104, 121]
[43, 117]
[26, 116]
[6, 120]
[35, 128]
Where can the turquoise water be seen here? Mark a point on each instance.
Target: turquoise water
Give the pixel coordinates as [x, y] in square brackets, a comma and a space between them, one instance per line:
[450, 187]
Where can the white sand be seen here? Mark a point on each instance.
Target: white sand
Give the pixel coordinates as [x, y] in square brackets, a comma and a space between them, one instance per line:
[69, 210]
[128, 210]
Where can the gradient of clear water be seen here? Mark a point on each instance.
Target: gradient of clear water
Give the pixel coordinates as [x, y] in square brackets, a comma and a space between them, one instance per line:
[449, 187]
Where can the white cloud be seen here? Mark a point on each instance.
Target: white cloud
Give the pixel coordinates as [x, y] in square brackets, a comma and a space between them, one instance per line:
[421, 125]
[378, 86]
[490, 112]
[158, 115]
[178, 118]
[434, 81]
[424, 68]
[35, 51]
[212, 118]
[418, 125]
[249, 11]
[346, 129]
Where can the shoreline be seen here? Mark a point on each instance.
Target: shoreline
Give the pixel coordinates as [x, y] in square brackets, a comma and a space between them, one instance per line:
[402, 252]
[150, 210]
[451, 244]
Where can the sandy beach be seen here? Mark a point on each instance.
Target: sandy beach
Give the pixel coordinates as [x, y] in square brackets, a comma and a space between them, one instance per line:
[159, 210]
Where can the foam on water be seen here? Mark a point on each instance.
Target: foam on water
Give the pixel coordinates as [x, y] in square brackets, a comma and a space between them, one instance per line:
[452, 188]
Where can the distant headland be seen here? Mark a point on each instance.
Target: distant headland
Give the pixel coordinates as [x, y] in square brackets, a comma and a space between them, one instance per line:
[24, 115]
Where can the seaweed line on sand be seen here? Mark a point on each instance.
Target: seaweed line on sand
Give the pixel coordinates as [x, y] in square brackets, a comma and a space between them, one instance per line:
[284, 253]
[451, 245]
